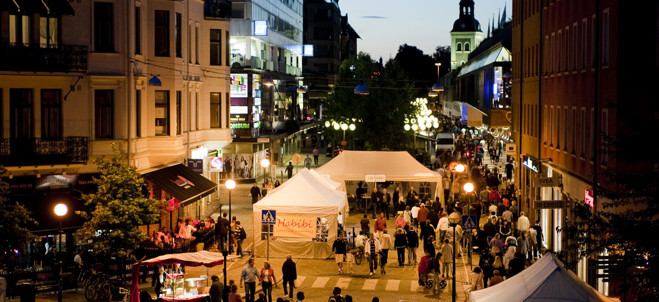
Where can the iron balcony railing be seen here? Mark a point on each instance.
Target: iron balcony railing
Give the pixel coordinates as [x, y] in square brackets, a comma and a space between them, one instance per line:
[66, 58]
[41, 151]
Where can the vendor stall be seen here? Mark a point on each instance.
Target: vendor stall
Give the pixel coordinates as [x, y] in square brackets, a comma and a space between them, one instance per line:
[181, 288]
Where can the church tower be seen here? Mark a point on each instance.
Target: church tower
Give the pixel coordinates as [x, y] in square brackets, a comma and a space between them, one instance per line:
[466, 34]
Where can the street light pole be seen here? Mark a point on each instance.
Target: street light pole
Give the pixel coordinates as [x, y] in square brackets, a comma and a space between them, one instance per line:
[454, 219]
[60, 210]
[230, 184]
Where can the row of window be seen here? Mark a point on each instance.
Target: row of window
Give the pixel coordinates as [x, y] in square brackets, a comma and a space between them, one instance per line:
[21, 106]
[21, 33]
[568, 49]
[571, 129]
[458, 47]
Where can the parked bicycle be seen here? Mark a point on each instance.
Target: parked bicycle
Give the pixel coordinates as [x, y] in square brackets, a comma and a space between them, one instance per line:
[100, 287]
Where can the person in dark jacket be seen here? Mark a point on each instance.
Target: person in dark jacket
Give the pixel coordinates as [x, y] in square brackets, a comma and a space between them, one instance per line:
[412, 245]
[289, 275]
[400, 242]
[256, 193]
[221, 231]
[485, 264]
[215, 292]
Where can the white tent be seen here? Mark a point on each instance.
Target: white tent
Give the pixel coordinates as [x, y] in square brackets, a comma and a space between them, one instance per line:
[392, 165]
[545, 280]
[307, 209]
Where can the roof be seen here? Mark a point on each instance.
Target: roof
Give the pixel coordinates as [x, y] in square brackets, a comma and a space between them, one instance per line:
[394, 165]
[545, 280]
[503, 36]
[181, 182]
[497, 54]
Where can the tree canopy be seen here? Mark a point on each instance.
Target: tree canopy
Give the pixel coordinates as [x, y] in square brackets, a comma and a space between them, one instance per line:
[117, 208]
[14, 222]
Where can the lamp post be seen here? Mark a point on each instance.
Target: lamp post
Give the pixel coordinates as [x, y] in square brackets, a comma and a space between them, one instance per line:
[60, 210]
[453, 220]
[265, 163]
[230, 184]
[468, 188]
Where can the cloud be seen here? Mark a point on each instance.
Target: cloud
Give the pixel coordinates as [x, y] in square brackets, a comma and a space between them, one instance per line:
[374, 17]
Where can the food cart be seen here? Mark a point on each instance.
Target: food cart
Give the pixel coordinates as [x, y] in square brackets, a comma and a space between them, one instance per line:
[178, 287]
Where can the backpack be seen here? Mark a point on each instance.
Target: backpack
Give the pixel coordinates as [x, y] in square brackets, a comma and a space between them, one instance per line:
[243, 235]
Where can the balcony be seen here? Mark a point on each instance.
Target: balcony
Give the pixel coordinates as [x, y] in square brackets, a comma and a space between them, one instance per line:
[217, 9]
[40, 151]
[67, 58]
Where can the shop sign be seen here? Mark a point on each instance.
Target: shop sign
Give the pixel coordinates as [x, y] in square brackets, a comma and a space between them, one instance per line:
[295, 225]
[554, 181]
[239, 85]
[511, 149]
[549, 204]
[216, 164]
[531, 163]
[375, 178]
[589, 199]
[196, 165]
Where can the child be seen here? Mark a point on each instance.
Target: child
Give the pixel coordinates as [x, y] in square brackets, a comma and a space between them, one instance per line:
[350, 259]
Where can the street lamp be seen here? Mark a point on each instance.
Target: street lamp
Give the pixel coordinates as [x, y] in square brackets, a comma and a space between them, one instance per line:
[265, 163]
[60, 210]
[453, 220]
[468, 188]
[230, 184]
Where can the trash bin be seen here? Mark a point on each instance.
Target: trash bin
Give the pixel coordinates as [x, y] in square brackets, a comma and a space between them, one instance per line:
[27, 293]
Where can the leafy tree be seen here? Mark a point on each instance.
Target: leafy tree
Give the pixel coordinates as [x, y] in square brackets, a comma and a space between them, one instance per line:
[14, 222]
[117, 209]
[379, 117]
[442, 54]
[419, 67]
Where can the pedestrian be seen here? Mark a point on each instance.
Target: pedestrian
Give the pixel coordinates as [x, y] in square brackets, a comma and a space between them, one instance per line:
[380, 225]
[350, 260]
[407, 215]
[307, 162]
[437, 271]
[476, 279]
[424, 268]
[415, 215]
[240, 235]
[538, 238]
[376, 200]
[222, 231]
[289, 275]
[496, 245]
[412, 245]
[422, 216]
[522, 223]
[386, 202]
[315, 153]
[396, 200]
[215, 292]
[496, 279]
[400, 221]
[372, 249]
[386, 243]
[300, 297]
[336, 295]
[267, 280]
[234, 296]
[289, 169]
[161, 277]
[523, 245]
[339, 248]
[447, 258]
[256, 193]
[485, 263]
[442, 226]
[400, 241]
[249, 275]
[364, 224]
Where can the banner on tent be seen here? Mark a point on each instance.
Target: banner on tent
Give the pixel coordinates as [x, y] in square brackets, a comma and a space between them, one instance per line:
[295, 225]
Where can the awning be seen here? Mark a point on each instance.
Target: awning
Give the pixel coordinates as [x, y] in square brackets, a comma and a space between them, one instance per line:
[182, 183]
[42, 7]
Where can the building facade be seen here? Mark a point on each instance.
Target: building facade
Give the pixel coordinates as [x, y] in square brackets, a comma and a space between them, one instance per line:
[150, 78]
[466, 34]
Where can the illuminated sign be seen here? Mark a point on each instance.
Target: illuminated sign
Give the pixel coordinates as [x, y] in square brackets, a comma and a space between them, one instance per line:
[239, 109]
[216, 164]
[531, 163]
[260, 28]
[589, 199]
[549, 204]
[308, 50]
[238, 85]
[199, 153]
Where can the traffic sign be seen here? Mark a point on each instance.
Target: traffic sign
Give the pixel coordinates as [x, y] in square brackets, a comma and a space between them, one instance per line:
[268, 216]
[469, 222]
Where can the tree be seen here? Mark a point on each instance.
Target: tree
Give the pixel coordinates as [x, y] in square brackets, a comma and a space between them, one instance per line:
[419, 67]
[117, 209]
[380, 116]
[14, 222]
[442, 54]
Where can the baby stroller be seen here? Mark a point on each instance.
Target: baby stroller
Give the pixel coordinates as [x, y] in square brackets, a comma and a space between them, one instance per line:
[427, 281]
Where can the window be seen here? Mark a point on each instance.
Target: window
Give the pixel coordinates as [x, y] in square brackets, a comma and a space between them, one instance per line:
[178, 112]
[103, 27]
[567, 48]
[592, 134]
[605, 137]
[584, 43]
[161, 45]
[551, 126]
[458, 47]
[554, 62]
[545, 130]
[21, 120]
[216, 110]
[51, 113]
[196, 113]
[227, 47]
[138, 113]
[466, 46]
[575, 47]
[573, 126]
[216, 49]
[227, 114]
[162, 112]
[48, 32]
[138, 31]
[19, 30]
[178, 34]
[593, 47]
[559, 50]
[582, 128]
[605, 37]
[189, 43]
[196, 44]
[103, 113]
[558, 128]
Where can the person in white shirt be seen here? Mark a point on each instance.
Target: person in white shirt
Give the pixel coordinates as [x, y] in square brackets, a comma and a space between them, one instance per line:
[523, 223]
[415, 215]
[372, 249]
[442, 227]
[386, 243]
[493, 209]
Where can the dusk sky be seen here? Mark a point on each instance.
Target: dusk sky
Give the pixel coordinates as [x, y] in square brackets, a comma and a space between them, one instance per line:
[386, 24]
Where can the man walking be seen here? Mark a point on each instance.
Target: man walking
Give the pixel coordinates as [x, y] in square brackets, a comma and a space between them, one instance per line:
[307, 162]
[216, 289]
[289, 275]
[289, 169]
[249, 276]
[339, 249]
[316, 153]
[372, 249]
[256, 193]
[386, 201]
[364, 224]
[221, 231]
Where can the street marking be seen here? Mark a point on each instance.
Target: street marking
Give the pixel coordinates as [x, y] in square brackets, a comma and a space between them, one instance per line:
[320, 282]
[299, 280]
[414, 285]
[343, 283]
[392, 285]
[370, 284]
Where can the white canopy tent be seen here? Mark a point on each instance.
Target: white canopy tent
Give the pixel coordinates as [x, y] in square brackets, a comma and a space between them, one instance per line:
[393, 165]
[307, 210]
[545, 280]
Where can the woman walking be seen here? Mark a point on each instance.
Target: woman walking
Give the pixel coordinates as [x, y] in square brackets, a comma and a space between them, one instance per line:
[268, 279]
